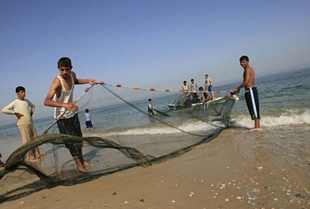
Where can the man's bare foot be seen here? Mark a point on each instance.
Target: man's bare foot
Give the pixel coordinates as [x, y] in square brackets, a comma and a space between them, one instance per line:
[33, 160]
[81, 170]
[256, 129]
[42, 157]
[87, 164]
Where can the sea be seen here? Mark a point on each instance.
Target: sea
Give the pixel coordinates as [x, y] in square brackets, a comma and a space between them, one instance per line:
[284, 109]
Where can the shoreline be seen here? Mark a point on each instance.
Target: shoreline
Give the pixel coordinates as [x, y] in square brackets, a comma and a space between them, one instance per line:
[232, 171]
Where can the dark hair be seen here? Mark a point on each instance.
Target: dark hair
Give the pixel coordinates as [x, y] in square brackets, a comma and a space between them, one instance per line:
[87, 110]
[150, 100]
[200, 88]
[184, 82]
[192, 79]
[244, 58]
[206, 74]
[64, 62]
[20, 88]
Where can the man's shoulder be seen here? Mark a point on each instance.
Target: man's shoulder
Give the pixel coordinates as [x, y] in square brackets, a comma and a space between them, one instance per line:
[249, 68]
[57, 81]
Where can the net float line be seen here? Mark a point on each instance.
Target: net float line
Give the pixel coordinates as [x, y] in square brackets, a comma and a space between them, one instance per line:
[159, 90]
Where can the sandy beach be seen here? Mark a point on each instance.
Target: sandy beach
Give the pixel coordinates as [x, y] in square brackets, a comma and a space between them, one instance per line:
[232, 171]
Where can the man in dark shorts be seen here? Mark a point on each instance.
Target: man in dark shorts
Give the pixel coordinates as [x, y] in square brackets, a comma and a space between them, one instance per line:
[251, 93]
[150, 108]
[60, 96]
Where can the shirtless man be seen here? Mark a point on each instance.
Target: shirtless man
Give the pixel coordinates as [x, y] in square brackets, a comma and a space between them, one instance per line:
[209, 86]
[60, 96]
[251, 94]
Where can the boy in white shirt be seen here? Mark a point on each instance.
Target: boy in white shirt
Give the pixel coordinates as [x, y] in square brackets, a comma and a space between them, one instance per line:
[24, 109]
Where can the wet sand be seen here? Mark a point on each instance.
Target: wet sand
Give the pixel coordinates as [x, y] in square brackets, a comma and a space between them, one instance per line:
[236, 170]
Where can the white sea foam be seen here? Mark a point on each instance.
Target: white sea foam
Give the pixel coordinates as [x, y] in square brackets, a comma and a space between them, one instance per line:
[186, 127]
[289, 117]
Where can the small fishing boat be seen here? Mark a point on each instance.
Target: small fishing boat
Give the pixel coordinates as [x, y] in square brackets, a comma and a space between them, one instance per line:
[217, 109]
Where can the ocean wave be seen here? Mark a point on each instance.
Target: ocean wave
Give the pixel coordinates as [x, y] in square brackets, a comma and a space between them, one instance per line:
[190, 126]
[287, 117]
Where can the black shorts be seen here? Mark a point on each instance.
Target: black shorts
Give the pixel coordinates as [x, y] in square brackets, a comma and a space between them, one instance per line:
[251, 98]
[71, 126]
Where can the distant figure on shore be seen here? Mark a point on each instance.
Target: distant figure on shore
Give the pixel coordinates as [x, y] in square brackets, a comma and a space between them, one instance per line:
[88, 123]
[150, 108]
[251, 93]
[209, 86]
[1, 163]
[23, 109]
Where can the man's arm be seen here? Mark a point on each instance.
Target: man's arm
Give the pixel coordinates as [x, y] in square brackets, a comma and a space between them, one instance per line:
[50, 95]
[32, 106]
[9, 109]
[246, 79]
[78, 81]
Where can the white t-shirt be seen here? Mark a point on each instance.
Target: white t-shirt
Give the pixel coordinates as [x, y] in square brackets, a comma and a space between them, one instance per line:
[24, 107]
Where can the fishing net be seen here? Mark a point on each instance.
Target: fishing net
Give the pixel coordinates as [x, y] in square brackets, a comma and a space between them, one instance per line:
[125, 135]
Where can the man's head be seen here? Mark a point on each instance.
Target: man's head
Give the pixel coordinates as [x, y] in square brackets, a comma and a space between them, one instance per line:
[64, 66]
[184, 82]
[244, 61]
[200, 88]
[20, 92]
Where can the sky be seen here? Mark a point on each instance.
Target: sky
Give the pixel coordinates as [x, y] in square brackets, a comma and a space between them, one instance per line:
[148, 43]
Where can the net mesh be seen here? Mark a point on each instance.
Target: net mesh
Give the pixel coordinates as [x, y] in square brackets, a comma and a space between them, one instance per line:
[125, 135]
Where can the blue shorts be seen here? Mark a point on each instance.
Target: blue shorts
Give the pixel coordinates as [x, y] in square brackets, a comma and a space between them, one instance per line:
[251, 98]
[210, 88]
[88, 124]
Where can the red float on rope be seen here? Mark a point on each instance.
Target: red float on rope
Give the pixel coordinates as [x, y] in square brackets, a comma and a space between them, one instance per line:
[152, 89]
[167, 90]
[86, 89]
[101, 82]
[181, 90]
[118, 85]
[217, 91]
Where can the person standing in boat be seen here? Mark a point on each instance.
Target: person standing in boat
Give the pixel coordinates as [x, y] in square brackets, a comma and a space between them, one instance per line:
[185, 92]
[193, 85]
[209, 86]
[251, 93]
[185, 87]
[193, 89]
